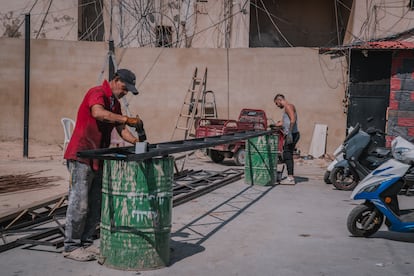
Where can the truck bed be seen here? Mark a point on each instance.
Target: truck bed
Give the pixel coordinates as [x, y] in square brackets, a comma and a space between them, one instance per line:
[212, 127]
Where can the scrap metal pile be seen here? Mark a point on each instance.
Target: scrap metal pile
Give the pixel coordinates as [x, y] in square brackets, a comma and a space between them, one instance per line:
[42, 223]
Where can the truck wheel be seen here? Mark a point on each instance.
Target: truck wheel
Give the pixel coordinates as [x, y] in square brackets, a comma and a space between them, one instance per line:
[240, 157]
[216, 156]
[364, 220]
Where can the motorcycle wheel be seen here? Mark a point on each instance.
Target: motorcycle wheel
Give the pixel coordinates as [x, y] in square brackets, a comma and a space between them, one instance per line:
[343, 181]
[216, 156]
[364, 220]
[240, 157]
[326, 177]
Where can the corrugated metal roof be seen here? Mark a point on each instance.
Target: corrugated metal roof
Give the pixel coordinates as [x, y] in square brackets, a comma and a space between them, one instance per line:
[372, 45]
[384, 45]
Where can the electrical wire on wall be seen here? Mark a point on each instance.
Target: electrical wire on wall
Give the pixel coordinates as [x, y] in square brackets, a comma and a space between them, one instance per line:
[378, 12]
[22, 21]
[44, 19]
[140, 24]
[275, 26]
[273, 18]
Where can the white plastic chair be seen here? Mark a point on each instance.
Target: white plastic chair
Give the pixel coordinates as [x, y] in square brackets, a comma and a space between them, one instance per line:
[68, 126]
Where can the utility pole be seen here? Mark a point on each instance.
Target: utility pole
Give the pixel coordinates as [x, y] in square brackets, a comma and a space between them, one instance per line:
[111, 66]
[228, 8]
[26, 85]
[111, 55]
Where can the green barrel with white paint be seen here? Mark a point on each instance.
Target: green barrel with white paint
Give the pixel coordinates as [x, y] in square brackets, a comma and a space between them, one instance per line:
[261, 160]
[136, 213]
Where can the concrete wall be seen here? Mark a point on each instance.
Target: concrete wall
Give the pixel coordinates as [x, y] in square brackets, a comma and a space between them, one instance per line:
[56, 19]
[62, 71]
[194, 24]
[377, 19]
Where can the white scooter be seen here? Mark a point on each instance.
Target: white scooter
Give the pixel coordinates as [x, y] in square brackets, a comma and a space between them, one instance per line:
[380, 190]
[339, 156]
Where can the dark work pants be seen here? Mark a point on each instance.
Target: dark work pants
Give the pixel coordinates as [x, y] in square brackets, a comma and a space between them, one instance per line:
[83, 213]
[288, 150]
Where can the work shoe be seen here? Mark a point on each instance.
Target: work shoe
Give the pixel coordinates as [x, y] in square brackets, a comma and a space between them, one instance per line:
[288, 181]
[93, 249]
[79, 254]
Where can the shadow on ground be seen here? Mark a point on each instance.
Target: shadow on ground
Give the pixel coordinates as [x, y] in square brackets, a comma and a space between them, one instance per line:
[394, 236]
[188, 240]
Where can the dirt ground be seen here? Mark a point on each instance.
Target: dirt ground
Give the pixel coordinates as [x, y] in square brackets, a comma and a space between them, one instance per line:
[238, 229]
[45, 162]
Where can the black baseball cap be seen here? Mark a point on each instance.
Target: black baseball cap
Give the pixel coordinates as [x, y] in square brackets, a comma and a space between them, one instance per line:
[129, 78]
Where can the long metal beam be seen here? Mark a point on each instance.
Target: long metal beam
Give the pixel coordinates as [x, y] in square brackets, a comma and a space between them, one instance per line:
[167, 148]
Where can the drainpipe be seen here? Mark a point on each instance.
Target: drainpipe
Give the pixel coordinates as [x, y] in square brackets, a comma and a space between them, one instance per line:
[26, 85]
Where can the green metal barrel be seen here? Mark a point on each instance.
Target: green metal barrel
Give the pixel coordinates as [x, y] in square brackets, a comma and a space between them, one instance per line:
[136, 213]
[261, 160]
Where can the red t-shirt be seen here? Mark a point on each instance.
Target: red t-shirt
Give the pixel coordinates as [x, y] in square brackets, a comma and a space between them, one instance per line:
[90, 133]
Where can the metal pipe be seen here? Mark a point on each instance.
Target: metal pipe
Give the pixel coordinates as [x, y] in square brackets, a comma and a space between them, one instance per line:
[166, 148]
[111, 69]
[26, 86]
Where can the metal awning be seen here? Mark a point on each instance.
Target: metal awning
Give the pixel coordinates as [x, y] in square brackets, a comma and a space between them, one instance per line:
[370, 45]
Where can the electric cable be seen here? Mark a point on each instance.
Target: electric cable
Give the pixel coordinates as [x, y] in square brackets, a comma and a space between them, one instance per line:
[89, 31]
[344, 5]
[21, 23]
[336, 22]
[274, 24]
[44, 19]
[200, 31]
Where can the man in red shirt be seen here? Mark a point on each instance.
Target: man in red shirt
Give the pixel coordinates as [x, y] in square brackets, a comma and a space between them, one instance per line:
[98, 114]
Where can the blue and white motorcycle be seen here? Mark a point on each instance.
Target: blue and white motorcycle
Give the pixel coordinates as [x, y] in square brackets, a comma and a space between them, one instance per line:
[380, 190]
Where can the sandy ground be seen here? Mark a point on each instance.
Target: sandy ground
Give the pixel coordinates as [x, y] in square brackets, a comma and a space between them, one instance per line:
[238, 230]
[43, 161]
[46, 160]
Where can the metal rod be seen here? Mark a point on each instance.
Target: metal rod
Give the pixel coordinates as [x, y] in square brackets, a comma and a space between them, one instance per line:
[196, 183]
[36, 236]
[26, 86]
[167, 148]
[111, 69]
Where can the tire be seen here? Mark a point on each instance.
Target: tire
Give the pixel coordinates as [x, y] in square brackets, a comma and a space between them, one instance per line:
[240, 157]
[359, 216]
[216, 156]
[343, 181]
[326, 177]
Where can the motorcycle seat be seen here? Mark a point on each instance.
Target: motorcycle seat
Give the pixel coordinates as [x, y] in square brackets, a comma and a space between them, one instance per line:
[381, 152]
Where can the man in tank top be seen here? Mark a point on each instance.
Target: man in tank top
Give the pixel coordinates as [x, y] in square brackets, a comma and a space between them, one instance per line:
[290, 129]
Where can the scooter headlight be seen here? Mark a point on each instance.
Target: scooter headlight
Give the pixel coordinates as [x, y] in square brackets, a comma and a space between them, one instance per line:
[398, 153]
[371, 188]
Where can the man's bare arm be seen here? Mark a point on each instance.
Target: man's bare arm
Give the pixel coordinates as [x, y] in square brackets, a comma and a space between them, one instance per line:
[101, 114]
[290, 110]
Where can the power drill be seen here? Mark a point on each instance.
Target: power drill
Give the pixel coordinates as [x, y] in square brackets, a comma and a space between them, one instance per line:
[140, 130]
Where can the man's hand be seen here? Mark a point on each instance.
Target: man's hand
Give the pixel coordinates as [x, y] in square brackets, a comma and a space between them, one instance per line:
[138, 124]
[289, 138]
[133, 122]
[141, 131]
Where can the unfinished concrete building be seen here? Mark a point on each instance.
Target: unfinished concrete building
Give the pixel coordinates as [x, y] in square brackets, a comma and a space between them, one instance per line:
[253, 49]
